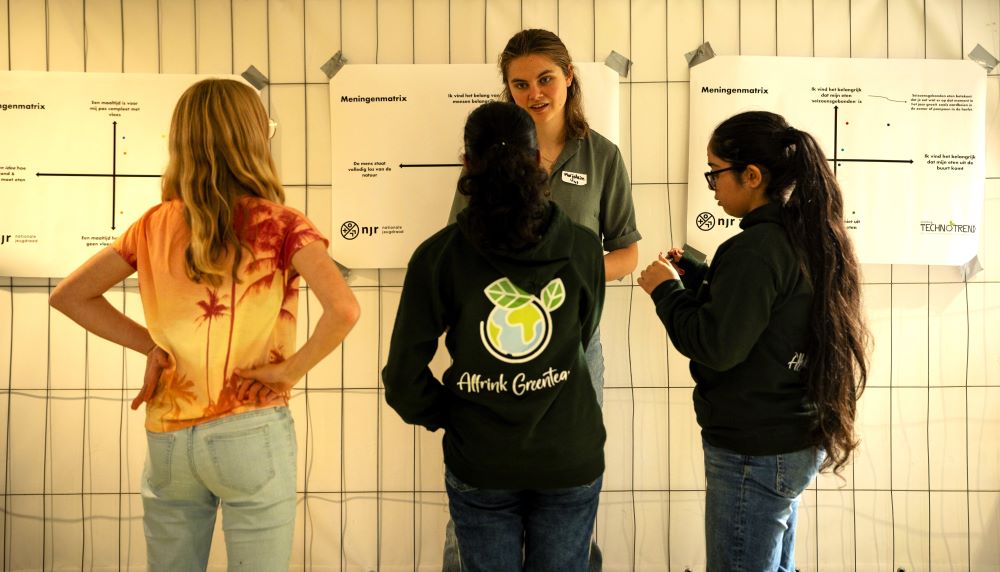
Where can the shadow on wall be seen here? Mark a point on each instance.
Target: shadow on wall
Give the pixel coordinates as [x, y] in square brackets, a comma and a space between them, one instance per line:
[986, 550]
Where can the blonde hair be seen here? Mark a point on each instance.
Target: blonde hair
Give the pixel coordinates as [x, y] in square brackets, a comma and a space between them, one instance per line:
[218, 153]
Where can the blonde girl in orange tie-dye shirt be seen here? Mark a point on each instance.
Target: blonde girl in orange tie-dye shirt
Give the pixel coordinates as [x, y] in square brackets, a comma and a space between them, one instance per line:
[219, 262]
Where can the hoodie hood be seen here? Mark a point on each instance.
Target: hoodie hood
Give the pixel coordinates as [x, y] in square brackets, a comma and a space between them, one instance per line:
[532, 268]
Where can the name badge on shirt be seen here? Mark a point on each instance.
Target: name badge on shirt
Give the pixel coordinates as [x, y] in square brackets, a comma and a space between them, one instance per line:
[579, 179]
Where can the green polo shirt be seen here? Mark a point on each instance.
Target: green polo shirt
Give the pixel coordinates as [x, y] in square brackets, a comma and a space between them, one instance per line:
[589, 182]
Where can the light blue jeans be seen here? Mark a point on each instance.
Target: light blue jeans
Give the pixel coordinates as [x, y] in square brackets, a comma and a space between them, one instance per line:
[246, 462]
[751, 506]
[594, 355]
[545, 530]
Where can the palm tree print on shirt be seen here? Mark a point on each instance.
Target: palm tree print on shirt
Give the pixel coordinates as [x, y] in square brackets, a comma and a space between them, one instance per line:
[211, 309]
[274, 248]
[177, 388]
[272, 244]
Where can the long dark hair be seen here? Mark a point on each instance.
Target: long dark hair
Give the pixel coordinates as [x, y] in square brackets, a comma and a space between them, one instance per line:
[505, 184]
[798, 177]
[545, 43]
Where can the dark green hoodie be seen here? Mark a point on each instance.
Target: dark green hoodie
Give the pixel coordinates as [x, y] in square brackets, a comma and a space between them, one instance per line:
[744, 321]
[516, 404]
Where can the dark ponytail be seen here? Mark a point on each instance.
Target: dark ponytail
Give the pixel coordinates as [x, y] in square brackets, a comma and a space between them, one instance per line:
[799, 178]
[505, 184]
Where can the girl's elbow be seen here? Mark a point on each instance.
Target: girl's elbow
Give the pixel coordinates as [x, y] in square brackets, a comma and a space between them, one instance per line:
[632, 258]
[58, 299]
[349, 312]
[722, 360]
[342, 308]
[723, 364]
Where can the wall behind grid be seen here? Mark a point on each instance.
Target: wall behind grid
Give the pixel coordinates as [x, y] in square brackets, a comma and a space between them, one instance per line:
[922, 494]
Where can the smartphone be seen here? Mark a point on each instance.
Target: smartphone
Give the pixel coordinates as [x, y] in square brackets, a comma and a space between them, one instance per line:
[694, 254]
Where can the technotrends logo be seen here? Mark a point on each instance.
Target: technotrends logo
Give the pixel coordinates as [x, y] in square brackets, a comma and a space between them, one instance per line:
[951, 227]
[519, 327]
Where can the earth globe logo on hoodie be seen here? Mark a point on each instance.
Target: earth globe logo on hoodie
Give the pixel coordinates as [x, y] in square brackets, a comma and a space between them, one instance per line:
[519, 327]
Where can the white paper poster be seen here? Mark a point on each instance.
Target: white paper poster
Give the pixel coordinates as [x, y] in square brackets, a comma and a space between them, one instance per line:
[80, 159]
[906, 139]
[396, 143]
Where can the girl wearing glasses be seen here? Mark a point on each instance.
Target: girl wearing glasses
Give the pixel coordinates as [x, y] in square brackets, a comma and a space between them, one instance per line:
[219, 262]
[775, 334]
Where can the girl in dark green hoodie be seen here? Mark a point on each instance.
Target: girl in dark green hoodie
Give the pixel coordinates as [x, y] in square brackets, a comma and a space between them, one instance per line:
[517, 289]
[775, 334]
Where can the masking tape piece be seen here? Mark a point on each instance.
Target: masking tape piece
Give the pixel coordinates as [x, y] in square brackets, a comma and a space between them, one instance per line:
[333, 65]
[619, 63]
[256, 79]
[983, 58]
[702, 53]
[344, 271]
[970, 268]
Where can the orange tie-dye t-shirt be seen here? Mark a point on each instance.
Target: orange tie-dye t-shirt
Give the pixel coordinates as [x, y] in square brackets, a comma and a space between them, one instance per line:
[208, 331]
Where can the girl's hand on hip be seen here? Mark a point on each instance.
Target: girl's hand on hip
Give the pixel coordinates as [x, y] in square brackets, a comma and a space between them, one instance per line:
[263, 383]
[157, 360]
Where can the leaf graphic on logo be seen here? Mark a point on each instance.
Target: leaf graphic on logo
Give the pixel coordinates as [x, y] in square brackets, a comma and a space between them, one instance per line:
[505, 294]
[554, 294]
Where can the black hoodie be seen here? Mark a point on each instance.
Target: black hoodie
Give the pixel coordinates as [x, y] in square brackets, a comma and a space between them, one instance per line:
[744, 322]
[517, 404]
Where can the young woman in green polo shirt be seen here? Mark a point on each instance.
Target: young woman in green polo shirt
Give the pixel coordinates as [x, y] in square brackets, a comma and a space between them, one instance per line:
[587, 175]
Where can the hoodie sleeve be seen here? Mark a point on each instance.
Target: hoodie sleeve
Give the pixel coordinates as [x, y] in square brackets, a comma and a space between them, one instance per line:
[720, 331]
[694, 273]
[410, 387]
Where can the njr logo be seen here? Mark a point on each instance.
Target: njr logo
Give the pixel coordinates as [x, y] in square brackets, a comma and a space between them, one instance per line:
[705, 221]
[350, 230]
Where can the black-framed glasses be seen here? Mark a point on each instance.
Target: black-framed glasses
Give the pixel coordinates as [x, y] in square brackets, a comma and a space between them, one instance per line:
[712, 176]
